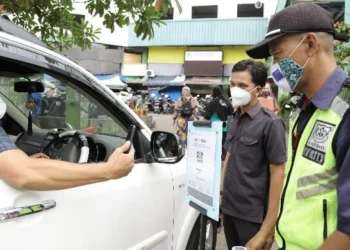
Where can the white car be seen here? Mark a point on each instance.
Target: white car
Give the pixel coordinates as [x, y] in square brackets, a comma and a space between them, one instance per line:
[145, 210]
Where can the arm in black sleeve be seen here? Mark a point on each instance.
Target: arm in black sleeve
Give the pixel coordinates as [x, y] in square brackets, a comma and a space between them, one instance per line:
[208, 113]
[275, 141]
[342, 155]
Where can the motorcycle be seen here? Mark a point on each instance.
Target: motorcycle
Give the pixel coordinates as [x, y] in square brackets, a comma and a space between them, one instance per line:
[201, 110]
[170, 106]
[54, 102]
[150, 102]
[162, 105]
[157, 106]
[201, 105]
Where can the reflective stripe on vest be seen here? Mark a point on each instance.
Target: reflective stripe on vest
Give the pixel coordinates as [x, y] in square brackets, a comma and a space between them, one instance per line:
[320, 189]
[314, 178]
[310, 201]
[339, 106]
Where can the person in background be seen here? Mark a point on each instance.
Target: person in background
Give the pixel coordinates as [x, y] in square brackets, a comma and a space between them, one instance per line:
[186, 109]
[37, 96]
[219, 109]
[268, 100]
[315, 203]
[254, 164]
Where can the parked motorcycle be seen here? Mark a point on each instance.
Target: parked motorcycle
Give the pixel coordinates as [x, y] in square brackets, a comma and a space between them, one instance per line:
[54, 102]
[157, 106]
[162, 105]
[151, 103]
[170, 105]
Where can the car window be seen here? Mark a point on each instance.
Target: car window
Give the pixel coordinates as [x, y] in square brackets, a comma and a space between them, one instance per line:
[61, 105]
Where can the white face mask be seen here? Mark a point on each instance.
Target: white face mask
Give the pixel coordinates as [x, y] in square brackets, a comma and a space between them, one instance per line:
[2, 108]
[240, 97]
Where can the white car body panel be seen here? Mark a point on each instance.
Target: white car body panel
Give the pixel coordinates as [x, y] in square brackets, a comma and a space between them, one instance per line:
[145, 210]
[117, 214]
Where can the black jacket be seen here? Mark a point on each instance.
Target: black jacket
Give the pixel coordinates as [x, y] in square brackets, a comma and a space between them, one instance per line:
[221, 106]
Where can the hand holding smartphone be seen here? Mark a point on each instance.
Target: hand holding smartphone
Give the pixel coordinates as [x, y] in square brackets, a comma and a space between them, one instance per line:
[130, 136]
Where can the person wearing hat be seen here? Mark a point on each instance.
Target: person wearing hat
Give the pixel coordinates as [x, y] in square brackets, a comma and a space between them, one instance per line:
[186, 109]
[314, 204]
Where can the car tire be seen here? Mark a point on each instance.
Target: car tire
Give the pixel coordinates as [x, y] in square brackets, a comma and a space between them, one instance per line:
[193, 241]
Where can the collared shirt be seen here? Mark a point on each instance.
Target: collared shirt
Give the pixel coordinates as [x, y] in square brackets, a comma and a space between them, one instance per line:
[255, 139]
[5, 142]
[323, 100]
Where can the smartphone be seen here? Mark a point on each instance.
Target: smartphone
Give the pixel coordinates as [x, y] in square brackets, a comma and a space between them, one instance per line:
[130, 136]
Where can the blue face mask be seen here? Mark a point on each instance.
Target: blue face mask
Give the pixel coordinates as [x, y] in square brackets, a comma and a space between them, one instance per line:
[287, 73]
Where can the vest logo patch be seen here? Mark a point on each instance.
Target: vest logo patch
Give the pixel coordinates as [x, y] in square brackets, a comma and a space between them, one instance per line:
[319, 139]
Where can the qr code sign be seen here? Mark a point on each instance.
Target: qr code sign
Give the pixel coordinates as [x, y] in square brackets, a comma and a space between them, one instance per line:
[200, 157]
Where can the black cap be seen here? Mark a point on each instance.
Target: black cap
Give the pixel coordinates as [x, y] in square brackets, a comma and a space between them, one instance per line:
[297, 18]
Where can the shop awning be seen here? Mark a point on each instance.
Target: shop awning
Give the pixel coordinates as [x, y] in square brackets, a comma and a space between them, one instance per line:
[110, 76]
[112, 81]
[134, 80]
[165, 81]
[205, 81]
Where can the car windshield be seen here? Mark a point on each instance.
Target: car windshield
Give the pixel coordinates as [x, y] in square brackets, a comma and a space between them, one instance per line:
[61, 105]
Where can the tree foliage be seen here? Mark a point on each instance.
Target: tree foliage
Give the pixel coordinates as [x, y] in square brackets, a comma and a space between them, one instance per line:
[342, 52]
[53, 22]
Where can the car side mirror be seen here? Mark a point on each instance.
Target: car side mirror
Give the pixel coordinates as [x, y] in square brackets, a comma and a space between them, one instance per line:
[166, 148]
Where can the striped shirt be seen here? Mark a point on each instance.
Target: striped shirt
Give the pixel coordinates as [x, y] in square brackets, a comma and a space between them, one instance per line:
[5, 142]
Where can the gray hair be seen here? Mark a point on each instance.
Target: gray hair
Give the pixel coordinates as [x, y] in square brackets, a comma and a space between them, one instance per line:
[186, 89]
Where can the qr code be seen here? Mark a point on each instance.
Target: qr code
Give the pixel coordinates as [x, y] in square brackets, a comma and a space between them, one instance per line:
[200, 157]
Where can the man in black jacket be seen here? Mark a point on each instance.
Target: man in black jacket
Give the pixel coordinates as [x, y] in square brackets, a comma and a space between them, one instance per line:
[218, 110]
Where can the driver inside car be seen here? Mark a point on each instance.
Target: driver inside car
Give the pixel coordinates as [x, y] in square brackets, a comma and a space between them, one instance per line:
[38, 172]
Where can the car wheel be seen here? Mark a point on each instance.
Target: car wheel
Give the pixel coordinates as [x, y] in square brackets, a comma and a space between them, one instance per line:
[211, 235]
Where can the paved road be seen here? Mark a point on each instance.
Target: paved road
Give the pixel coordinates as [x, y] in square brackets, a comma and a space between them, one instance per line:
[165, 123]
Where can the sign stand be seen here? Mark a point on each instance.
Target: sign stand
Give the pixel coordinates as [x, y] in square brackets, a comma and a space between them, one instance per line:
[203, 229]
[206, 201]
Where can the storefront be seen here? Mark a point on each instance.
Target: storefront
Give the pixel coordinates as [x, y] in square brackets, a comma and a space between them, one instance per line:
[170, 85]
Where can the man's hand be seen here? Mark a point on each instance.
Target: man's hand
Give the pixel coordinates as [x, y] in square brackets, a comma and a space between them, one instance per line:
[264, 238]
[338, 240]
[39, 156]
[120, 164]
[261, 241]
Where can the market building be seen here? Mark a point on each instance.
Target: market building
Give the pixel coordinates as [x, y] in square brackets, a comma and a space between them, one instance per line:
[200, 45]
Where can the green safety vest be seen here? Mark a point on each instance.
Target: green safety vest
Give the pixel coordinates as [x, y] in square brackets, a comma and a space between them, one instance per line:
[308, 208]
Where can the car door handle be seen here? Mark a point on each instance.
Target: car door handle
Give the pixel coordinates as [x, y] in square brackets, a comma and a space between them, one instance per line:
[11, 213]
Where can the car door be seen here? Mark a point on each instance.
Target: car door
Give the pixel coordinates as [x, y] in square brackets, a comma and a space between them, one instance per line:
[134, 212]
[130, 213]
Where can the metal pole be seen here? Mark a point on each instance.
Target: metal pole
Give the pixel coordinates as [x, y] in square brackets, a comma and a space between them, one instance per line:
[203, 232]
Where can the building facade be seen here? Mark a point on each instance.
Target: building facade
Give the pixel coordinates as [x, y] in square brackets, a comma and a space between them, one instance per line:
[107, 55]
[202, 43]
[197, 47]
